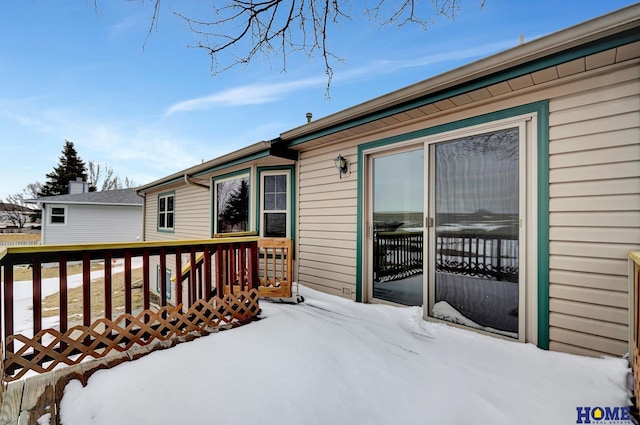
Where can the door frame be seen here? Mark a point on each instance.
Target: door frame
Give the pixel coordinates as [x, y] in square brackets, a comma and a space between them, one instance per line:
[534, 120]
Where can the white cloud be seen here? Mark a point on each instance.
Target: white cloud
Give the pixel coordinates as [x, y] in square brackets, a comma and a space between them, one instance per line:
[252, 94]
[255, 94]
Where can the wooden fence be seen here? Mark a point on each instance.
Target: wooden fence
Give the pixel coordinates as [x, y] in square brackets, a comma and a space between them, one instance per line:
[222, 290]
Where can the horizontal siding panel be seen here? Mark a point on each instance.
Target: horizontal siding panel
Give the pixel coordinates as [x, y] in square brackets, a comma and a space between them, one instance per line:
[343, 236]
[332, 180]
[332, 271]
[324, 212]
[329, 260]
[589, 295]
[327, 196]
[338, 244]
[596, 203]
[346, 185]
[595, 188]
[592, 249]
[589, 326]
[342, 219]
[596, 156]
[599, 125]
[593, 265]
[590, 234]
[307, 249]
[325, 274]
[597, 95]
[330, 203]
[598, 343]
[592, 311]
[334, 227]
[621, 170]
[572, 349]
[595, 219]
[585, 113]
[589, 280]
[629, 136]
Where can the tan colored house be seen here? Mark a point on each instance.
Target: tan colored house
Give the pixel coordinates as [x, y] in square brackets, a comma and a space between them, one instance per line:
[502, 196]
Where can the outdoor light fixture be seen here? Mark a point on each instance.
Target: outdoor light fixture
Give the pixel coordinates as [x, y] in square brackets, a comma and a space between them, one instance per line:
[341, 164]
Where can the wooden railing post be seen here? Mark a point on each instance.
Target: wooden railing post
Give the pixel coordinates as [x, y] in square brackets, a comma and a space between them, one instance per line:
[36, 265]
[108, 306]
[178, 276]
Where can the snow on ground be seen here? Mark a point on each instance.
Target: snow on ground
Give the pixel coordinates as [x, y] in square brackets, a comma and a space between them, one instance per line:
[333, 361]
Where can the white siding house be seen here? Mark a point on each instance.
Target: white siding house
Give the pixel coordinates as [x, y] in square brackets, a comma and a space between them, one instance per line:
[91, 217]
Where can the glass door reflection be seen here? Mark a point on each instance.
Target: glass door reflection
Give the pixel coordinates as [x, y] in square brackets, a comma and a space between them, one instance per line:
[398, 216]
[476, 245]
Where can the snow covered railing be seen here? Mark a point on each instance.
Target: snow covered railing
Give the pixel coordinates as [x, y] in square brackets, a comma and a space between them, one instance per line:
[634, 325]
[112, 300]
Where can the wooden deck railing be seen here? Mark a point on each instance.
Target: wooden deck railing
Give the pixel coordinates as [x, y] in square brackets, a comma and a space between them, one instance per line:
[275, 267]
[634, 325]
[222, 290]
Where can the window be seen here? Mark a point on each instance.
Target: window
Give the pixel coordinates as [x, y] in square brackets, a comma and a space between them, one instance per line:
[166, 205]
[168, 277]
[275, 204]
[57, 215]
[232, 204]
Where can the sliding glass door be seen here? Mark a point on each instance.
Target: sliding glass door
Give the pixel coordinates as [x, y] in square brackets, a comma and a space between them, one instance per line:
[475, 202]
[467, 260]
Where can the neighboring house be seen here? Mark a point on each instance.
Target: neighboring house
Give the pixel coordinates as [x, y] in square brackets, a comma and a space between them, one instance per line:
[502, 196]
[91, 217]
[16, 216]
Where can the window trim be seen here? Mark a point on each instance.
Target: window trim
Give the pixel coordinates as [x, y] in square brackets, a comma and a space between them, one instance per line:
[50, 215]
[275, 171]
[166, 229]
[214, 197]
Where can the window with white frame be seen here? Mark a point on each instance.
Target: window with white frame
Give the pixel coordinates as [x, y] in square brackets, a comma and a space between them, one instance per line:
[274, 218]
[166, 211]
[58, 215]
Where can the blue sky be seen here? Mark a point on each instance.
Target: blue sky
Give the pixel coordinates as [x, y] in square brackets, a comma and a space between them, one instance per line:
[70, 72]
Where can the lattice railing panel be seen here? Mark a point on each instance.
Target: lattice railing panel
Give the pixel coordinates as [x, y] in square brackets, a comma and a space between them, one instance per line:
[121, 334]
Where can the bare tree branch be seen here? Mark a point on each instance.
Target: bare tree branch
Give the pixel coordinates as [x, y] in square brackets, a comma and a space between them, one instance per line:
[236, 32]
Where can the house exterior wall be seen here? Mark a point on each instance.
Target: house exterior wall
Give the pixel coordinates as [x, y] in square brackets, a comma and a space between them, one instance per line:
[327, 219]
[594, 202]
[594, 212]
[96, 223]
[192, 215]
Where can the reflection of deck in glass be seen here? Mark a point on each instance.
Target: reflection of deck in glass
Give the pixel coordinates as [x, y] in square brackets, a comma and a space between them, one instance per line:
[397, 255]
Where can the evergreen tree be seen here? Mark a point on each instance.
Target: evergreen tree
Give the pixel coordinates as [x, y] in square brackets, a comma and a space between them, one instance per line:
[236, 213]
[68, 169]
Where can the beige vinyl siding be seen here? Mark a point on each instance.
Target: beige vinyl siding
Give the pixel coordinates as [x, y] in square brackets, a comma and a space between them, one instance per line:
[327, 220]
[594, 209]
[192, 212]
